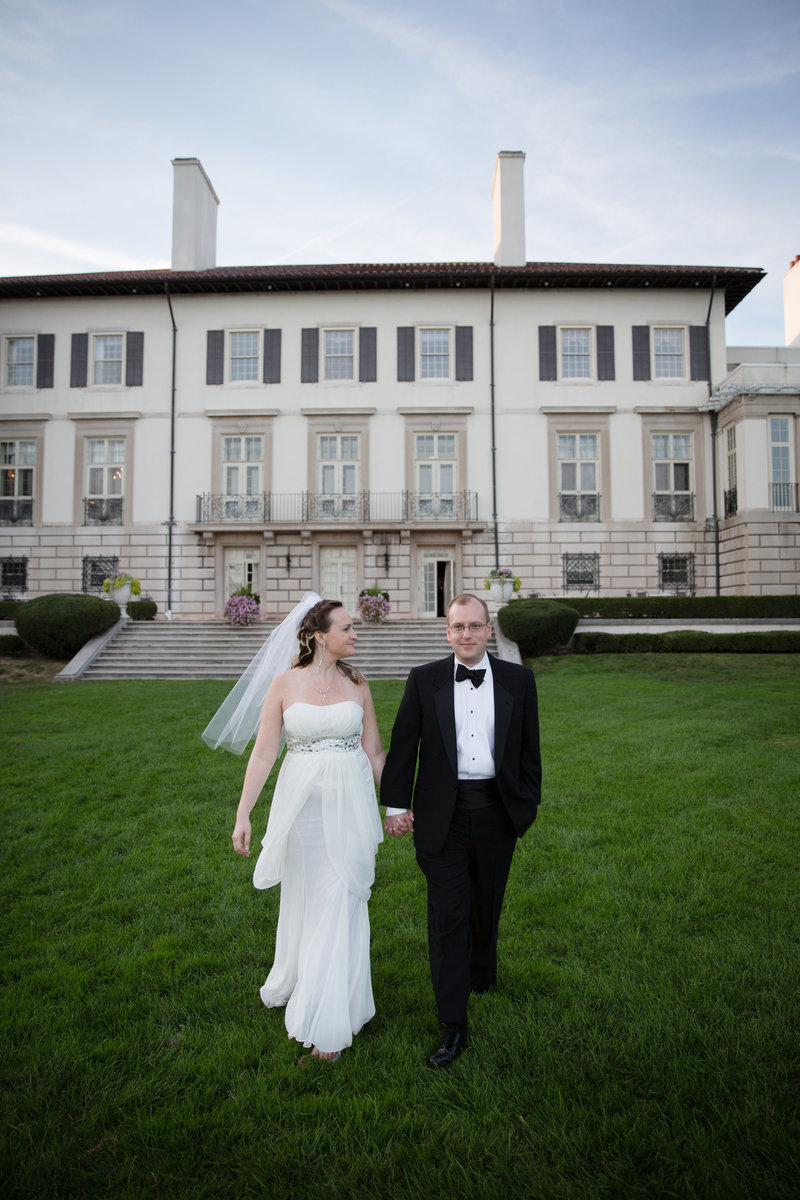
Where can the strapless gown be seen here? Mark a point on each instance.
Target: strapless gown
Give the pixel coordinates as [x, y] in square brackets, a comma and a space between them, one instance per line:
[322, 837]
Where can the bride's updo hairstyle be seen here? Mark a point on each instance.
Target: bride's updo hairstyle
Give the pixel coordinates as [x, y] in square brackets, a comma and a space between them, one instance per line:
[318, 620]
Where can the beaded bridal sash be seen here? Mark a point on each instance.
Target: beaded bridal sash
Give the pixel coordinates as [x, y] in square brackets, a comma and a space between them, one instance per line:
[327, 745]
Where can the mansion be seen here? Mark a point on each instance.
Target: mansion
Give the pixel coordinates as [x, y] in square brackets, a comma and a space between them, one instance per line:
[401, 426]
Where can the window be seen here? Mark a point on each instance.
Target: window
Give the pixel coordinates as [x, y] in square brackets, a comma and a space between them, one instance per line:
[662, 352]
[242, 477]
[95, 570]
[339, 353]
[107, 359]
[434, 353]
[574, 352]
[338, 466]
[435, 474]
[676, 574]
[730, 497]
[13, 577]
[578, 467]
[243, 357]
[19, 361]
[17, 463]
[116, 359]
[105, 468]
[581, 572]
[780, 466]
[672, 482]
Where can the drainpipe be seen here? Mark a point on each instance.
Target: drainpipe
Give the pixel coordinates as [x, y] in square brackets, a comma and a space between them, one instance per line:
[713, 415]
[171, 521]
[494, 439]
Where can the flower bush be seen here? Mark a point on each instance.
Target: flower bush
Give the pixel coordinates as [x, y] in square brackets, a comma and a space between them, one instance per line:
[502, 574]
[242, 610]
[373, 605]
[119, 580]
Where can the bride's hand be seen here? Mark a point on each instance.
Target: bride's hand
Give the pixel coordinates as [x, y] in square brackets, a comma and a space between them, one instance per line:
[241, 837]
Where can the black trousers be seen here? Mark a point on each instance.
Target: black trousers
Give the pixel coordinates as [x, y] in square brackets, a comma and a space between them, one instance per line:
[466, 884]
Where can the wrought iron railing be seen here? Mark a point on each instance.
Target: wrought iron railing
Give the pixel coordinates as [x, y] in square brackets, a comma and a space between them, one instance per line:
[673, 506]
[579, 506]
[358, 507]
[676, 574]
[14, 511]
[581, 571]
[730, 502]
[784, 497]
[105, 511]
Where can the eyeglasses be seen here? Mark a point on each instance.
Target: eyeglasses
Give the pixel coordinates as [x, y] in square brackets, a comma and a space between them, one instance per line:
[473, 628]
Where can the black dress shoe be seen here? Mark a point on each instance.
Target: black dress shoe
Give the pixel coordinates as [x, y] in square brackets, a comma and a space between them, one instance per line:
[453, 1043]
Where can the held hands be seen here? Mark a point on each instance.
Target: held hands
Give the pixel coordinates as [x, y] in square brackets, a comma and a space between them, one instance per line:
[241, 836]
[400, 824]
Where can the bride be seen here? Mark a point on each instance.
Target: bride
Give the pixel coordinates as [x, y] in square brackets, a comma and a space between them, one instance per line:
[323, 830]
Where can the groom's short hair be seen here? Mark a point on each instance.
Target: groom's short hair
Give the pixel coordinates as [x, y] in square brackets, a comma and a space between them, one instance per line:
[464, 598]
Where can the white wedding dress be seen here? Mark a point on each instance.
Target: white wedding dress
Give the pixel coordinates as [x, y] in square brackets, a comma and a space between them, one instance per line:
[322, 837]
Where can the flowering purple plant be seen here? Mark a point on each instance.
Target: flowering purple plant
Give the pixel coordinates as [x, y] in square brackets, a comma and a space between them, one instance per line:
[242, 610]
[373, 605]
[504, 574]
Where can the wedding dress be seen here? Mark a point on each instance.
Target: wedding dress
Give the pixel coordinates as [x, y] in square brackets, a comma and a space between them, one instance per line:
[322, 837]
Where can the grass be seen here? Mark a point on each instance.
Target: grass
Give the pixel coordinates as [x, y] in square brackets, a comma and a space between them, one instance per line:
[642, 1041]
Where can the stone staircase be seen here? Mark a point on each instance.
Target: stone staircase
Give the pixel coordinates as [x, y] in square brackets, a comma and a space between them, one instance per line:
[214, 650]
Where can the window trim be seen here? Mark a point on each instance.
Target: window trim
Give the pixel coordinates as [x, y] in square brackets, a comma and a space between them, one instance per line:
[22, 431]
[257, 379]
[104, 428]
[687, 422]
[417, 423]
[337, 424]
[578, 423]
[231, 427]
[10, 591]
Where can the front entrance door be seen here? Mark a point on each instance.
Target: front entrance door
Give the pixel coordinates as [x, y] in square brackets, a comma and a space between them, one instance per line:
[242, 569]
[435, 577]
[338, 575]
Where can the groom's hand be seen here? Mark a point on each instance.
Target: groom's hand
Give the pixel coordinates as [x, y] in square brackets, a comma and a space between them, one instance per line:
[399, 824]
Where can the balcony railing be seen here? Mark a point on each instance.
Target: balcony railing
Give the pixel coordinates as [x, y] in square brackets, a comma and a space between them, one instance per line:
[270, 508]
[730, 501]
[784, 497]
[16, 512]
[105, 511]
[673, 506]
[579, 506]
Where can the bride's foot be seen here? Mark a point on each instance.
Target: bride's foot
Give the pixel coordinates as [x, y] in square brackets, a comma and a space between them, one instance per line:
[329, 1057]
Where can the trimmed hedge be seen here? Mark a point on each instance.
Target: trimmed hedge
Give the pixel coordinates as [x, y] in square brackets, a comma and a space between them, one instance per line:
[12, 646]
[59, 624]
[631, 607]
[142, 610]
[538, 626]
[687, 641]
[8, 609]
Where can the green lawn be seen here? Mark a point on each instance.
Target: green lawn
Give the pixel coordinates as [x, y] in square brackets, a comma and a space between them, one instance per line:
[642, 1041]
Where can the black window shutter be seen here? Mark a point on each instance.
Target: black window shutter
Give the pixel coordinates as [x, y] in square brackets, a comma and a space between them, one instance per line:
[272, 356]
[605, 352]
[698, 352]
[45, 358]
[547, 352]
[405, 354]
[368, 355]
[215, 356]
[79, 361]
[134, 359]
[641, 351]
[464, 352]
[309, 356]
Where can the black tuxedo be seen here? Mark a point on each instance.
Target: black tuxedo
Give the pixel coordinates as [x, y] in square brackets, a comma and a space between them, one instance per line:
[465, 855]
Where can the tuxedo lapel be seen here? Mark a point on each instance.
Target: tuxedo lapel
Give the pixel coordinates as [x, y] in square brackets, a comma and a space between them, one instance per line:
[446, 711]
[503, 707]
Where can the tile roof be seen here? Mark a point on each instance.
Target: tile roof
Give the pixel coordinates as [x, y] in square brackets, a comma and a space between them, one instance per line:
[735, 282]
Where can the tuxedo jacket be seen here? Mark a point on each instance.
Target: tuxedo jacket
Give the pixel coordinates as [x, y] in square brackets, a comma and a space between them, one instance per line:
[424, 740]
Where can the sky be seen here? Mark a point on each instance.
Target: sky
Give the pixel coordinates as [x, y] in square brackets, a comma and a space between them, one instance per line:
[367, 131]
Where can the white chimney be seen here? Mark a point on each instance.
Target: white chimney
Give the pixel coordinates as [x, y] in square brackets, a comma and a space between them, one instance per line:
[194, 217]
[508, 198]
[791, 302]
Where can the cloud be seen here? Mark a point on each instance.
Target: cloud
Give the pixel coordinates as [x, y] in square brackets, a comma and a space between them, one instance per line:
[30, 245]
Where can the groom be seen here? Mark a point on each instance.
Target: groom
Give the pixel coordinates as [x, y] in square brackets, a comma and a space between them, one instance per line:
[473, 721]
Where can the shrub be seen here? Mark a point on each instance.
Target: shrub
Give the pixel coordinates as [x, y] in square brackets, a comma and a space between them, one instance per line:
[373, 604]
[142, 610]
[8, 609]
[59, 624]
[12, 646]
[538, 626]
[688, 641]
[666, 607]
[242, 610]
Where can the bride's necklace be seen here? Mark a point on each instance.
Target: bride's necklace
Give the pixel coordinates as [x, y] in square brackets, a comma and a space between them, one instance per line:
[324, 691]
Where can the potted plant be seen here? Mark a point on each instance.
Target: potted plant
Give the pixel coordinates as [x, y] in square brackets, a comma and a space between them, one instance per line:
[242, 610]
[501, 583]
[121, 587]
[373, 605]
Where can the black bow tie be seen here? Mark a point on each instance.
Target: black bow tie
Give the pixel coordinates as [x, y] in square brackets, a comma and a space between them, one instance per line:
[475, 677]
